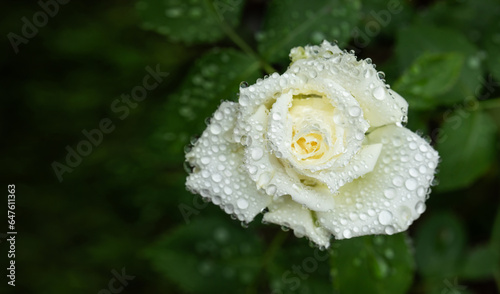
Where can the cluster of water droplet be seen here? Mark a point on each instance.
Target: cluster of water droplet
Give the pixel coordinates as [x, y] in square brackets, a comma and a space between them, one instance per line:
[393, 195]
[243, 161]
[379, 103]
[217, 174]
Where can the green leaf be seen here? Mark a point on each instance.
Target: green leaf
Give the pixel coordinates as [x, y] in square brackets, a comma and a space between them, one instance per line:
[480, 264]
[299, 268]
[214, 77]
[291, 23]
[466, 145]
[472, 18]
[372, 264]
[495, 244]
[429, 76]
[439, 243]
[491, 45]
[495, 233]
[413, 41]
[383, 17]
[196, 21]
[207, 256]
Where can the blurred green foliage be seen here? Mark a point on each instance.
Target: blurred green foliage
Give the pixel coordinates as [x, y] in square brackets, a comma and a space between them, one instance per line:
[125, 205]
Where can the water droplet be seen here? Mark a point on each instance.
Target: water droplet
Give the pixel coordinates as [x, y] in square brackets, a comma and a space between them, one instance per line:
[411, 184]
[423, 148]
[338, 119]
[390, 193]
[216, 178]
[271, 190]
[347, 233]
[397, 181]
[389, 230]
[173, 12]
[195, 12]
[218, 115]
[421, 192]
[216, 200]
[276, 116]
[354, 111]
[420, 207]
[257, 153]
[215, 129]
[389, 253]
[228, 190]
[380, 267]
[205, 268]
[379, 93]
[243, 85]
[385, 217]
[242, 204]
[252, 169]
[205, 160]
[264, 178]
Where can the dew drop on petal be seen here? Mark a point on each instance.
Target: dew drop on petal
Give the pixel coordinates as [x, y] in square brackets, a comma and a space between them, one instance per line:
[390, 193]
[421, 192]
[389, 230]
[271, 190]
[397, 181]
[276, 116]
[347, 233]
[411, 184]
[228, 190]
[216, 178]
[379, 93]
[205, 160]
[385, 217]
[420, 207]
[215, 129]
[354, 111]
[252, 169]
[257, 153]
[242, 204]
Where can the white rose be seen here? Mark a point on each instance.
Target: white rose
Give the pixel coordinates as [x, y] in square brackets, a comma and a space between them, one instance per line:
[321, 147]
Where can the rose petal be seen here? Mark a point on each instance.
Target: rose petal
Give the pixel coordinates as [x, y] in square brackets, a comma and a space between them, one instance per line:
[218, 173]
[380, 105]
[361, 164]
[327, 50]
[388, 199]
[272, 174]
[352, 129]
[288, 213]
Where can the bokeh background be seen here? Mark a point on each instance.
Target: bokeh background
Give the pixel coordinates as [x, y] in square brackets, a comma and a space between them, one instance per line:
[123, 206]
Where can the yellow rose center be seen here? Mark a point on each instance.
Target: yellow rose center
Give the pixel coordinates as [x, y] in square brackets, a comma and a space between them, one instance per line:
[313, 130]
[308, 144]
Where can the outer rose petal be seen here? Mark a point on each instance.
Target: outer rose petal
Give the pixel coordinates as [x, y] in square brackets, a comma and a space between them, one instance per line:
[392, 196]
[219, 174]
[291, 214]
[362, 163]
[380, 105]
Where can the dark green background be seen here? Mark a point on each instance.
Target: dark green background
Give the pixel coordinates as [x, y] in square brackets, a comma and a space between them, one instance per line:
[122, 206]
